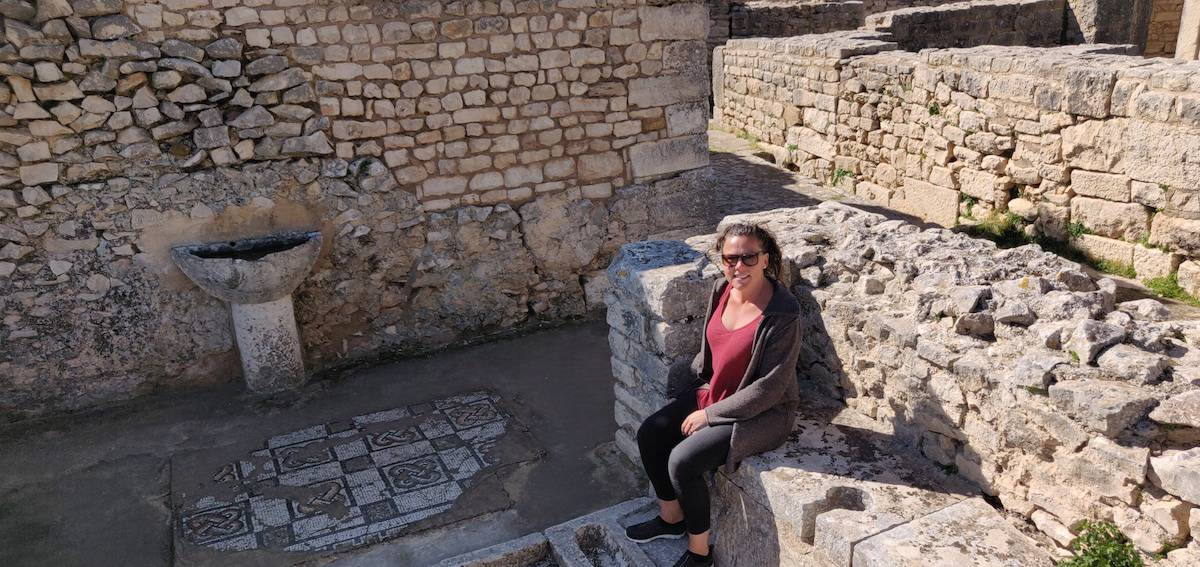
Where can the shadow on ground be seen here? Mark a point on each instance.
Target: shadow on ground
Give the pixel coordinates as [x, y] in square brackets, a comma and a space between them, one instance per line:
[97, 489]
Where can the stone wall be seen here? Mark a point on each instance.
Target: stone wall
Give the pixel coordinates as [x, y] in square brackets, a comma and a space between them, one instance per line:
[773, 18]
[1164, 28]
[1010, 368]
[979, 22]
[877, 6]
[1076, 141]
[473, 166]
[1108, 21]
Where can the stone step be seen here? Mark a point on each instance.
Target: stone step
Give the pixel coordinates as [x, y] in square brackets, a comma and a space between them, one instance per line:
[839, 493]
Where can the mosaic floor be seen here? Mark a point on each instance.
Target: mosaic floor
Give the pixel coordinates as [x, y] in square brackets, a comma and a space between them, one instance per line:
[347, 483]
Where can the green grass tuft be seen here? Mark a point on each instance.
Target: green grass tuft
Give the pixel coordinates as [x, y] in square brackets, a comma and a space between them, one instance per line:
[934, 109]
[1116, 268]
[1101, 544]
[1076, 229]
[1169, 287]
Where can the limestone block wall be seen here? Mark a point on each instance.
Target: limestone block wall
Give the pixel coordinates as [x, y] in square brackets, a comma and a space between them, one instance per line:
[1163, 28]
[1080, 142]
[1010, 368]
[774, 18]
[1108, 21]
[473, 165]
[877, 6]
[979, 22]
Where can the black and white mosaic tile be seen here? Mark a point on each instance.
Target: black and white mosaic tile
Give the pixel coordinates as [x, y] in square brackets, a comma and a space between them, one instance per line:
[346, 483]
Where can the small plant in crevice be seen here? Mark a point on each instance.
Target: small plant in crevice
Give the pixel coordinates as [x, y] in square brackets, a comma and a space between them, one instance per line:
[969, 202]
[1038, 391]
[1164, 187]
[934, 109]
[840, 175]
[1101, 544]
[792, 147]
[1074, 356]
[1077, 229]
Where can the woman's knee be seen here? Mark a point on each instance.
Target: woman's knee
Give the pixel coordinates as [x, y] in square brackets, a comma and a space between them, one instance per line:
[682, 466]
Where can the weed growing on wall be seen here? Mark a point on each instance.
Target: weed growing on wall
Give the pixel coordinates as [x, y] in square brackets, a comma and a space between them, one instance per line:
[839, 176]
[1101, 544]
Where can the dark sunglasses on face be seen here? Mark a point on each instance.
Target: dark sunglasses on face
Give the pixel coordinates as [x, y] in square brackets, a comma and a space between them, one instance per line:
[747, 259]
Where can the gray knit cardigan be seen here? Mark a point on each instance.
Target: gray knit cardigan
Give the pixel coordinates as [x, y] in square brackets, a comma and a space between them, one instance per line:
[763, 408]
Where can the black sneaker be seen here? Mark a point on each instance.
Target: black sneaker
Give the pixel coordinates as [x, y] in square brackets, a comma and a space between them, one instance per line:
[690, 559]
[655, 528]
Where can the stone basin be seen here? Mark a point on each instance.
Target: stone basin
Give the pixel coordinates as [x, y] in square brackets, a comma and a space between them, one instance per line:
[257, 276]
[250, 270]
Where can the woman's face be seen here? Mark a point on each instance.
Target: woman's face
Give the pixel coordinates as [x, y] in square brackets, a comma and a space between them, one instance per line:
[739, 274]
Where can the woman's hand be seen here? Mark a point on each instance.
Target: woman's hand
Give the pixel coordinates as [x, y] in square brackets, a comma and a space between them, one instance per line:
[694, 422]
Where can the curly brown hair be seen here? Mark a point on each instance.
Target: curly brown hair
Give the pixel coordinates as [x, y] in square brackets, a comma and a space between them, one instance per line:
[764, 236]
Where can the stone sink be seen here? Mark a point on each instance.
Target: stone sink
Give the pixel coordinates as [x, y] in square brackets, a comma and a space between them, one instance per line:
[257, 276]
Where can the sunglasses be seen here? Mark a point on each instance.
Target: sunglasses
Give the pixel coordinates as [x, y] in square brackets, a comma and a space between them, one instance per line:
[747, 259]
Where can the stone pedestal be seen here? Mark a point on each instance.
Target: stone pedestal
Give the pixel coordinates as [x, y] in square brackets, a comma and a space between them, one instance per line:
[269, 343]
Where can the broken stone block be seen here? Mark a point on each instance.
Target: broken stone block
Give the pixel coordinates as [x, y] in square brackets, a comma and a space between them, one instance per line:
[1032, 370]
[967, 533]
[1015, 312]
[1179, 473]
[1145, 310]
[1133, 364]
[1105, 407]
[1180, 409]
[839, 530]
[975, 324]
[1105, 469]
[1089, 337]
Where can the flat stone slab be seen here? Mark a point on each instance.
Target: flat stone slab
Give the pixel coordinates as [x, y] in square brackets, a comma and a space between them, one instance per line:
[350, 482]
[967, 534]
[843, 462]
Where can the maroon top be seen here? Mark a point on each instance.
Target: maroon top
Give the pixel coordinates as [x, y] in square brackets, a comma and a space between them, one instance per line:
[730, 355]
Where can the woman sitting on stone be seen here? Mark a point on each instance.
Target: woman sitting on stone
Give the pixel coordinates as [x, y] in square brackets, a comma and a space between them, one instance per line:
[738, 398]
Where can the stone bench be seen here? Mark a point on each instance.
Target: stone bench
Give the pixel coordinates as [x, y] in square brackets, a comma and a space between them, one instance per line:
[843, 492]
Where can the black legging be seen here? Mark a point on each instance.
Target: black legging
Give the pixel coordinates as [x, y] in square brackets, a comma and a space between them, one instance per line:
[675, 463]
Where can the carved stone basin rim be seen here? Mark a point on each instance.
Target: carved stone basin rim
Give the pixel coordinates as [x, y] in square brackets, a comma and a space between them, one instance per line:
[250, 270]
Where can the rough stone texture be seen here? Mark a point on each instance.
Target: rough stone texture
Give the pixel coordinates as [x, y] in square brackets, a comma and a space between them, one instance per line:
[1163, 28]
[976, 22]
[410, 134]
[967, 533]
[1178, 472]
[1051, 437]
[1070, 139]
[1182, 409]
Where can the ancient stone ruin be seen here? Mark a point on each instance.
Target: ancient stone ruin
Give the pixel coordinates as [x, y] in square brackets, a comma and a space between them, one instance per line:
[270, 195]
[1011, 368]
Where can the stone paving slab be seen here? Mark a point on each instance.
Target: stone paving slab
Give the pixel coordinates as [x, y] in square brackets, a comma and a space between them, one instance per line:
[350, 482]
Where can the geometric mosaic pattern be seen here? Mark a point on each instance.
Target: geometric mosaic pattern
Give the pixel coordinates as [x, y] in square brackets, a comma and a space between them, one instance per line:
[347, 483]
